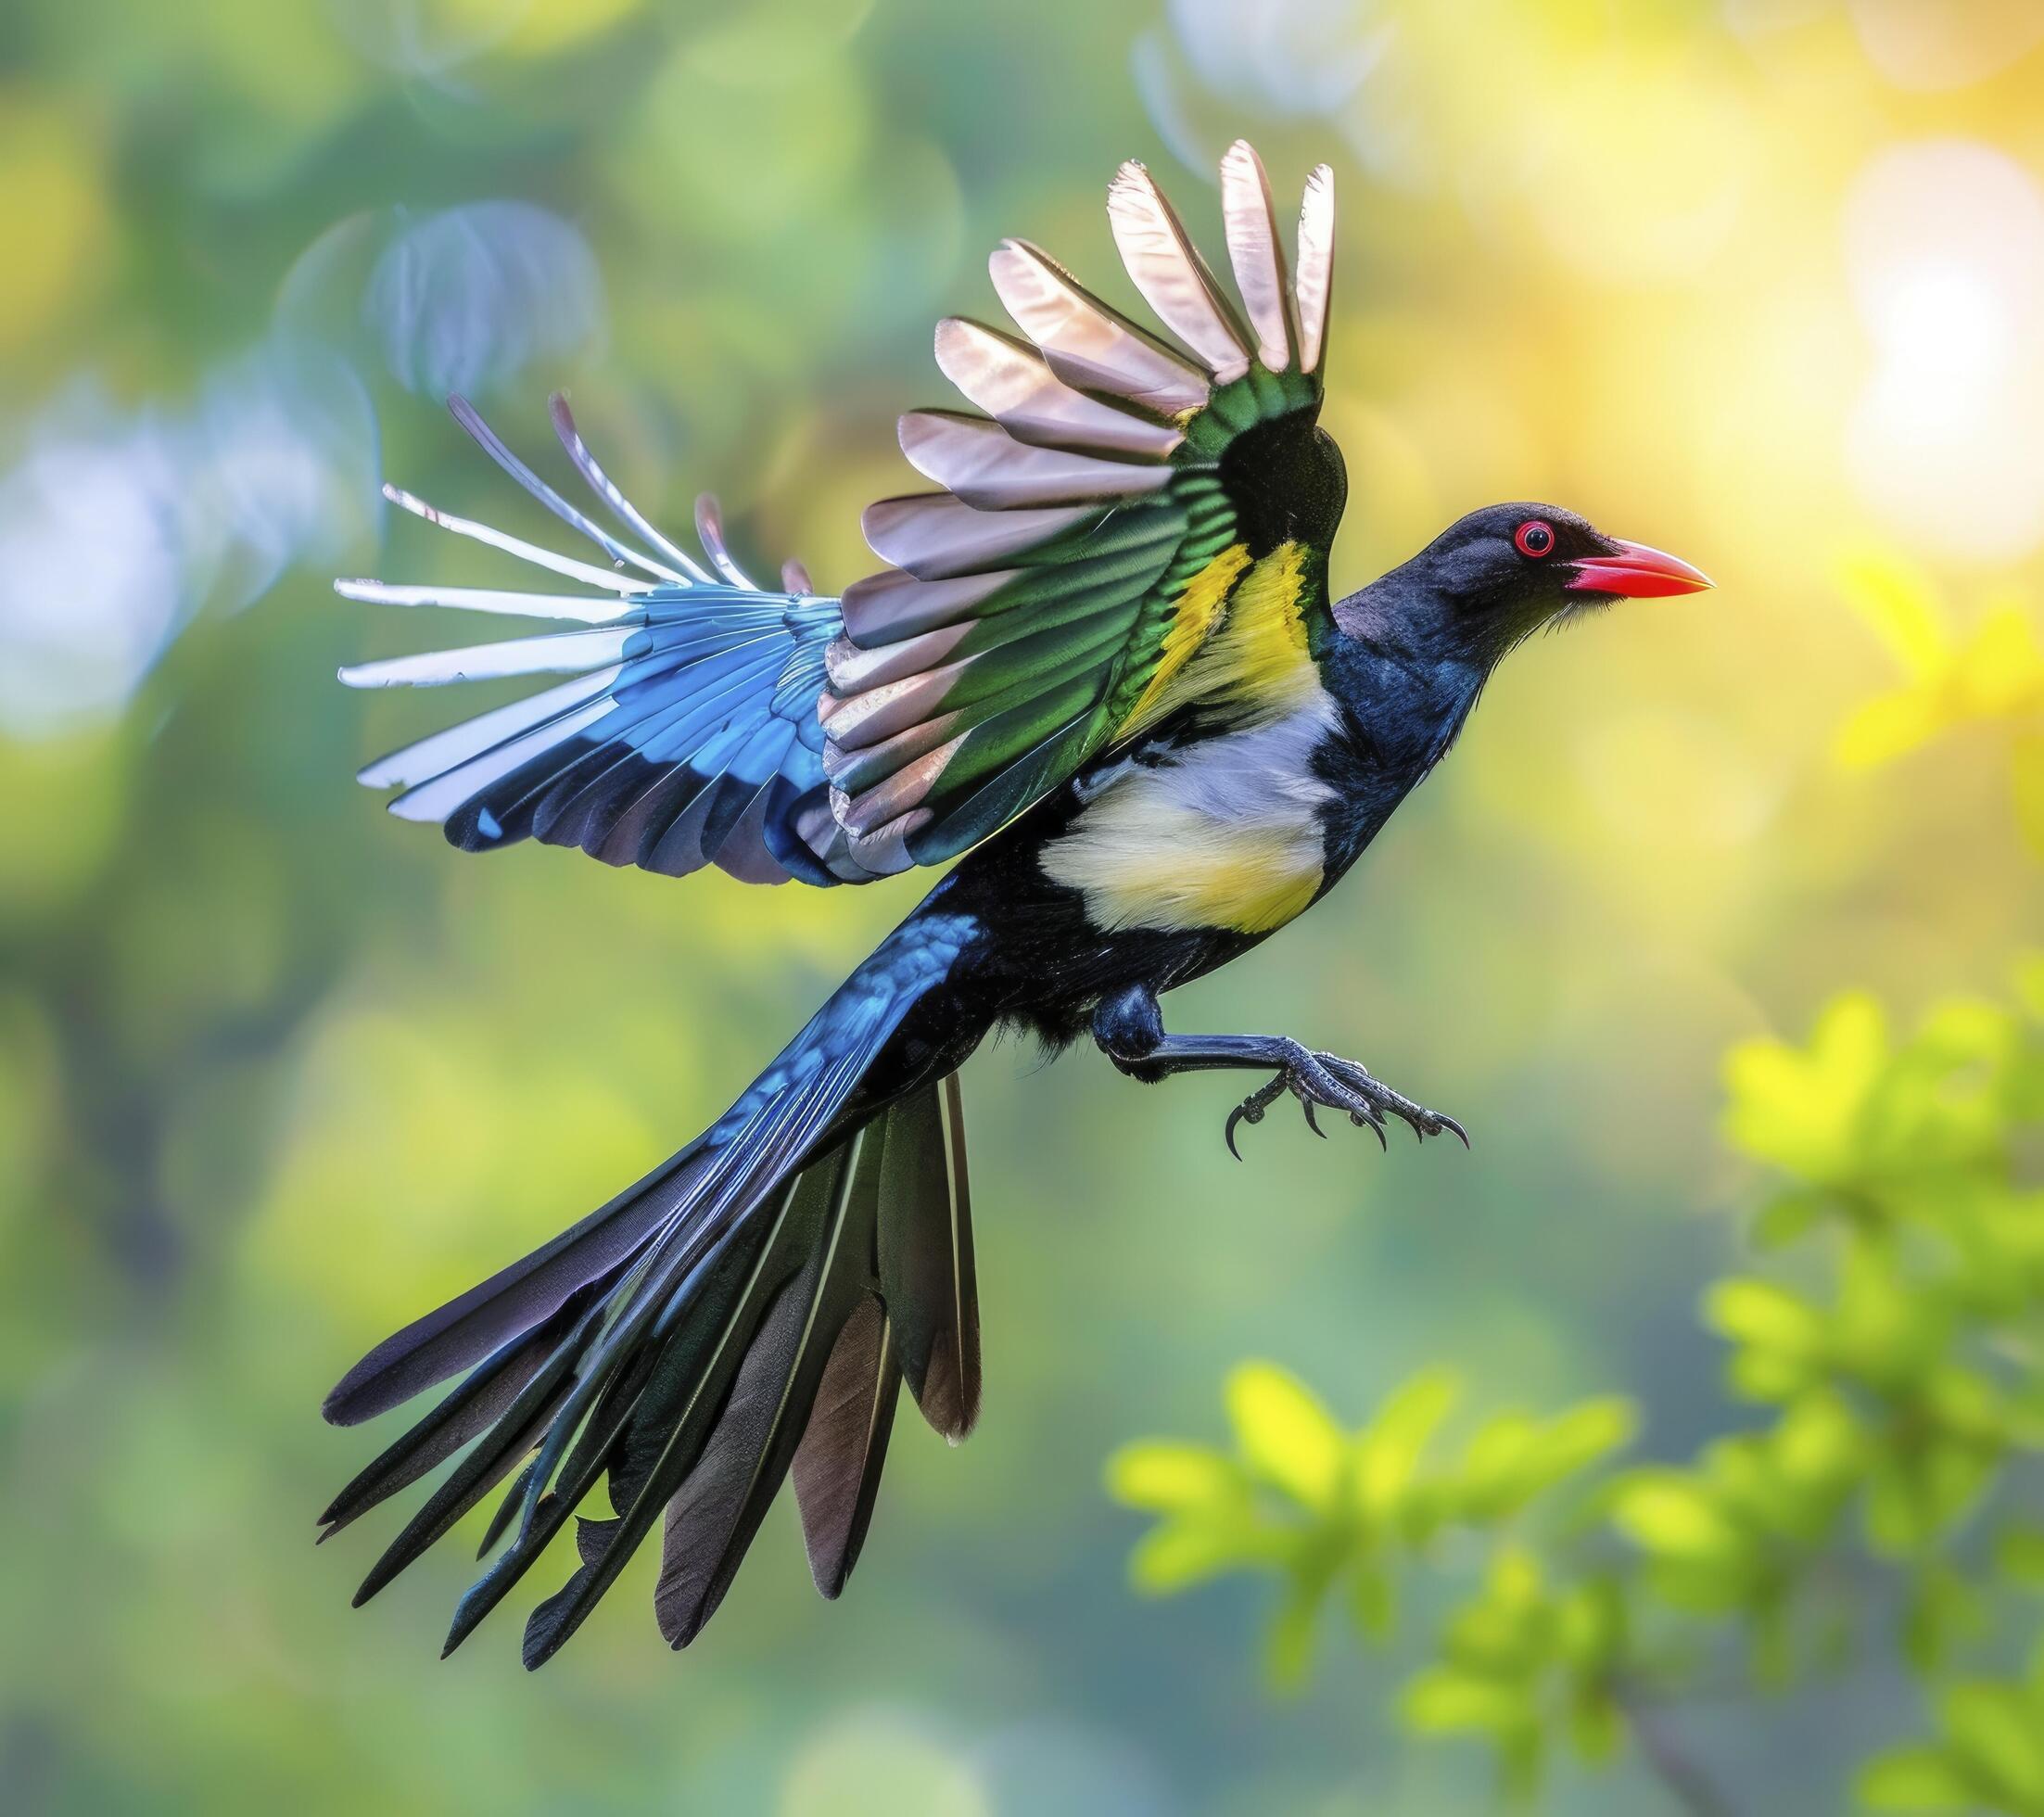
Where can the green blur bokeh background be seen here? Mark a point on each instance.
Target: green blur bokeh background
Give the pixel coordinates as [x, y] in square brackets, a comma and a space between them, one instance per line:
[1761, 282]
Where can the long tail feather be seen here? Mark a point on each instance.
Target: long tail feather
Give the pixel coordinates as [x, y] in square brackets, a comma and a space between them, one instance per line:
[837, 1465]
[746, 1311]
[926, 1268]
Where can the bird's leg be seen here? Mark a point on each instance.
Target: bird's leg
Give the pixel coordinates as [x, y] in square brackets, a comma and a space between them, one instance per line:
[1130, 1031]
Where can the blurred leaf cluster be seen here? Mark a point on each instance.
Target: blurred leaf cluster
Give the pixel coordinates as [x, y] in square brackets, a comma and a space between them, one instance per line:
[1990, 674]
[1336, 1512]
[1886, 1334]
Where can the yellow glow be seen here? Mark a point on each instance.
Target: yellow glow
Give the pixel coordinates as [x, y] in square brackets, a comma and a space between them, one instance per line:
[52, 217]
[548, 26]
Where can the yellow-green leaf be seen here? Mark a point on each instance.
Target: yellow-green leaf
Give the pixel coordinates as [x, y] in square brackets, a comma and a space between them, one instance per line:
[1190, 1550]
[1818, 1444]
[1765, 1314]
[1442, 1700]
[1586, 1434]
[1285, 1436]
[1288, 1644]
[1164, 1477]
[1887, 727]
[1916, 1779]
[1372, 1601]
[1989, 1728]
[1388, 1451]
[1673, 1518]
[1898, 602]
[1801, 1108]
[1999, 671]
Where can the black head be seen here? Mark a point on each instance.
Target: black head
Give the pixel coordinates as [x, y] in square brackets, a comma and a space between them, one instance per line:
[1492, 580]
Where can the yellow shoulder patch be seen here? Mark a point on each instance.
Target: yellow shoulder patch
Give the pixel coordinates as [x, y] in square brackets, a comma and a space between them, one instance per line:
[1262, 646]
[1198, 606]
[1237, 636]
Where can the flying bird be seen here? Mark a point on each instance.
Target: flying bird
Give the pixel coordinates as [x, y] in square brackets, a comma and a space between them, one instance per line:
[1102, 668]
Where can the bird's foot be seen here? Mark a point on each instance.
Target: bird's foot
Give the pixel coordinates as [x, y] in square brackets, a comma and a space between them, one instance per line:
[1328, 1082]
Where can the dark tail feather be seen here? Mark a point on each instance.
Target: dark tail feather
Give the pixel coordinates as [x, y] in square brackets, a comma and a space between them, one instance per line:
[800, 1374]
[749, 1309]
[926, 1272]
[479, 1403]
[921, 1314]
[838, 1463]
[513, 1301]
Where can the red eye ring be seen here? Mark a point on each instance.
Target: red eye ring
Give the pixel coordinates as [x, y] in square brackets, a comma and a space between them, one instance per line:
[1534, 539]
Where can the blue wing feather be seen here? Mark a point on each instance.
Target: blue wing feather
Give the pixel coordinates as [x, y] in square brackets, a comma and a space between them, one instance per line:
[687, 735]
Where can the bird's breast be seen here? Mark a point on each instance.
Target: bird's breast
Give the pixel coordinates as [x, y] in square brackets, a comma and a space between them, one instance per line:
[1227, 832]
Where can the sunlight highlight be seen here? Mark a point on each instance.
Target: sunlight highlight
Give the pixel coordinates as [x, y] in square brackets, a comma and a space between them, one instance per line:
[1944, 248]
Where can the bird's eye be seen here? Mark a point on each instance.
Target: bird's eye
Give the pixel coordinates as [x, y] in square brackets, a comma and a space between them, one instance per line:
[1534, 539]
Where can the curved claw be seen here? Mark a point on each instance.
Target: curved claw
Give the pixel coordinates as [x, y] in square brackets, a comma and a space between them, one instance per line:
[1375, 1125]
[1313, 1122]
[1251, 1109]
[1454, 1128]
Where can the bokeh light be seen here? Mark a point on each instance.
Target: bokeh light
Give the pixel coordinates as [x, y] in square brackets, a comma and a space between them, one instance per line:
[468, 298]
[1944, 248]
[94, 566]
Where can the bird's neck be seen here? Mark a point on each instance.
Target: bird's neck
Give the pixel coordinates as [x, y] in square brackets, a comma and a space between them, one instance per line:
[1404, 683]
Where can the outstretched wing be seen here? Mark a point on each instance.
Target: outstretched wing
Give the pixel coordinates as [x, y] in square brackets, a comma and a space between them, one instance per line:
[1127, 532]
[686, 732]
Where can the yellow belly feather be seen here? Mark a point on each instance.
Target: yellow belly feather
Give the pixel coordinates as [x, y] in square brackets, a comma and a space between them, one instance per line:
[1140, 861]
[1225, 834]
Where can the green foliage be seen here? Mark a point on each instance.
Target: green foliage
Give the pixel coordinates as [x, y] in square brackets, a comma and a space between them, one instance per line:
[1990, 675]
[1525, 1658]
[1989, 1751]
[1335, 1514]
[1886, 1337]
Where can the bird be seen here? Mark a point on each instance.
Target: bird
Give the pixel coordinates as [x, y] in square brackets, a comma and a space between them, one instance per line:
[1101, 668]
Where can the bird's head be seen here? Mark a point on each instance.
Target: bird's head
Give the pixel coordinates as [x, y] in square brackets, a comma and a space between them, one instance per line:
[1489, 581]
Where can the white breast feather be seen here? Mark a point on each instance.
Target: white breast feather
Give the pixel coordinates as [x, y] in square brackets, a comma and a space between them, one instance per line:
[1224, 833]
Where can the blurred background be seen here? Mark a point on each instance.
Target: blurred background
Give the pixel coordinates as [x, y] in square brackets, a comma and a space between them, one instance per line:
[1758, 281]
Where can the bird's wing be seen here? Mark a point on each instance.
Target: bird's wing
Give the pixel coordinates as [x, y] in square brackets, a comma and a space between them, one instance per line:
[1126, 529]
[686, 732]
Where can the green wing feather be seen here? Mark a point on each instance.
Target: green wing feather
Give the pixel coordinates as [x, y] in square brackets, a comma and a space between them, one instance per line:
[1092, 523]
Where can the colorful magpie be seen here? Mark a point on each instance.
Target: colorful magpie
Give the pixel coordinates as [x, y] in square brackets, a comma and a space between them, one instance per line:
[1102, 669]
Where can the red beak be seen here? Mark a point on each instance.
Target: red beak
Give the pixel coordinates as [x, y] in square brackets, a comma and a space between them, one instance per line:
[1636, 572]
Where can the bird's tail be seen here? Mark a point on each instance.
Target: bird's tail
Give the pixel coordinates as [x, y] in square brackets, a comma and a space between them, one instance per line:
[748, 1309]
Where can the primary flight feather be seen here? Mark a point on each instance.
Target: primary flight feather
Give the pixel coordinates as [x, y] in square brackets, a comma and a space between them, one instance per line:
[1103, 664]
